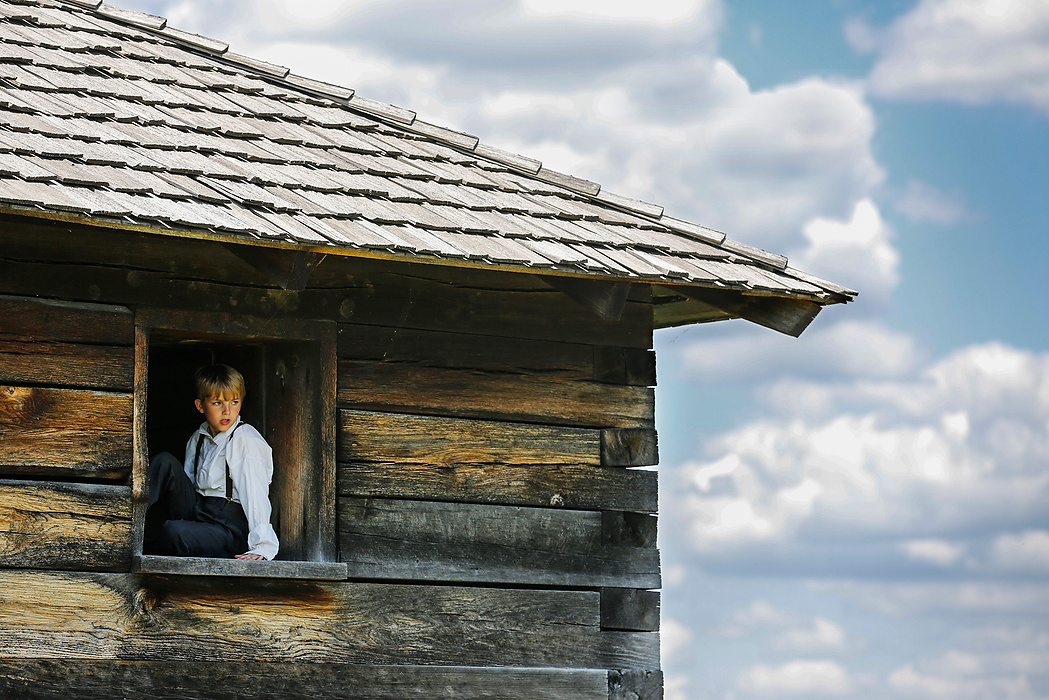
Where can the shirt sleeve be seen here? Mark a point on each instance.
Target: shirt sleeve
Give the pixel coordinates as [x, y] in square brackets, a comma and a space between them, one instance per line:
[251, 468]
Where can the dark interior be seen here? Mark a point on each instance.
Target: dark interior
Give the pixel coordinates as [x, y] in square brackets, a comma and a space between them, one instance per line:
[282, 401]
[172, 416]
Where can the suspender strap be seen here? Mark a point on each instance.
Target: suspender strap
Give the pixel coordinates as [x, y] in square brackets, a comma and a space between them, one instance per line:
[196, 463]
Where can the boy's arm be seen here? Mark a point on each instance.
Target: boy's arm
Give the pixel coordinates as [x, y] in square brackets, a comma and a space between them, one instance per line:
[251, 466]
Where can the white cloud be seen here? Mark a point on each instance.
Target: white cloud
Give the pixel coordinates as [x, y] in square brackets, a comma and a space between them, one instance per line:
[970, 51]
[1017, 601]
[673, 637]
[913, 683]
[848, 349]
[924, 462]
[658, 12]
[938, 552]
[857, 252]
[1026, 551]
[810, 678]
[822, 635]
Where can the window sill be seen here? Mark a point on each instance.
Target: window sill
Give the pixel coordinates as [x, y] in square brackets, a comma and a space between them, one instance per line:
[199, 566]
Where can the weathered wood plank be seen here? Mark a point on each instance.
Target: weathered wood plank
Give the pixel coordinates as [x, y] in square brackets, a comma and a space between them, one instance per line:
[28, 319]
[198, 618]
[635, 685]
[202, 275]
[629, 447]
[71, 432]
[65, 526]
[195, 680]
[633, 366]
[391, 437]
[393, 539]
[90, 366]
[601, 363]
[629, 609]
[200, 566]
[580, 486]
[406, 388]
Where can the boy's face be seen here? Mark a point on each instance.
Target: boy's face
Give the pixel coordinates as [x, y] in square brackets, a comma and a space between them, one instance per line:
[219, 411]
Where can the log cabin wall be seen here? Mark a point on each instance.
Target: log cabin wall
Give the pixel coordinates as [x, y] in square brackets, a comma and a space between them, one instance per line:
[498, 542]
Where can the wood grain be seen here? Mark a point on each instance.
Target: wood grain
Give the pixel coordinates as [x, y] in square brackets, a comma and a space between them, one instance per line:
[394, 539]
[635, 685]
[406, 388]
[579, 486]
[602, 363]
[65, 431]
[201, 680]
[123, 616]
[65, 526]
[629, 447]
[66, 364]
[28, 319]
[201, 275]
[391, 437]
[629, 609]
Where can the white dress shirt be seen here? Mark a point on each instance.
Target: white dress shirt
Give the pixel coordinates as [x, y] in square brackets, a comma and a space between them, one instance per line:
[251, 469]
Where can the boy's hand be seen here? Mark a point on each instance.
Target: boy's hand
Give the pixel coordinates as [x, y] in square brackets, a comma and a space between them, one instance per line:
[249, 555]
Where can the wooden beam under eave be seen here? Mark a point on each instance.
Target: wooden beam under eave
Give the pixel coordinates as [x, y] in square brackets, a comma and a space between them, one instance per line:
[605, 298]
[788, 316]
[288, 269]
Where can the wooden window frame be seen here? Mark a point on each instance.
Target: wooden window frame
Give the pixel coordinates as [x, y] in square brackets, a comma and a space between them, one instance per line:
[304, 464]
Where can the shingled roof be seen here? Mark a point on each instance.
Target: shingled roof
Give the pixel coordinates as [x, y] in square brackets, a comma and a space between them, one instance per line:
[112, 118]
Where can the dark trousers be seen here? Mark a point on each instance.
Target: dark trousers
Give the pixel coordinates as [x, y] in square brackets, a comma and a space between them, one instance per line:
[182, 523]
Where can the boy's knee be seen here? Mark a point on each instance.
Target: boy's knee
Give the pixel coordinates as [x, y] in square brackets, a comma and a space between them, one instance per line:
[172, 539]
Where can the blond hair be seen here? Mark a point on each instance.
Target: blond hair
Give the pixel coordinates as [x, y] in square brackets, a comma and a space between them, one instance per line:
[219, 380]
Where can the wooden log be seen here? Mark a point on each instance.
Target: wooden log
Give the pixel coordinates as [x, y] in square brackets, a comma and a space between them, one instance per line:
[629, 447]
[393, 539]
[579, 486]
[203, 275]
[604, 298]
[632, 366]
[68, 432]
[629, 609]
[199, 680]
[601, 363]
[243, 568]
[635, 685]
[406, 388]
[28, 319]
[52, 615]
[66, 364]
[390, 437]
[65, 526]
[44, 341]
[629, 529]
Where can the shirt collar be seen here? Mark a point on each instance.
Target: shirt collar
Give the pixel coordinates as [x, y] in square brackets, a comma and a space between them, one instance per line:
[223, 437]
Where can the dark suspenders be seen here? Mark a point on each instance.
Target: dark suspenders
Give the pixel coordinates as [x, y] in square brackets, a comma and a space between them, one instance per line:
[196, 463]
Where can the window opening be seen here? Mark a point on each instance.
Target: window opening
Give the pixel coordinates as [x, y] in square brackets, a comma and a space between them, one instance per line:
[289, 379]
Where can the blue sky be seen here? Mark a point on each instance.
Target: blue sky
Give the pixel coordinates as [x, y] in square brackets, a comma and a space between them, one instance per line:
[862, 512]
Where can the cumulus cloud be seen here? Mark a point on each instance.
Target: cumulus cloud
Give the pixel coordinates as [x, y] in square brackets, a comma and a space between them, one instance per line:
[822, 635]
[673, 637]
[939, 552]
[1025, 551]
[800, 678]
[969, 51]
[917, 466]
[847, 349]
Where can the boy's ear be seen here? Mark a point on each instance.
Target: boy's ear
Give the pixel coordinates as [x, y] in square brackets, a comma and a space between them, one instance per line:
[199, 404]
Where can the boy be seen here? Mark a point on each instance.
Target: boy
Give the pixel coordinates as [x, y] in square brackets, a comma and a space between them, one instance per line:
[218, 504]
